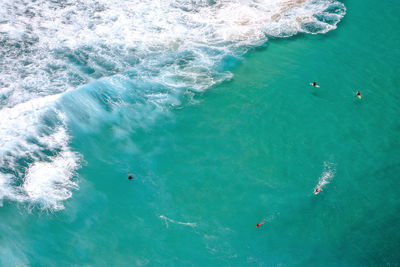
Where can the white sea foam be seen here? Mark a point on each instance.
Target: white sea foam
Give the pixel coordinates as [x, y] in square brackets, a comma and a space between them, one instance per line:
[177, 222]
[36, 163]
[327, 175]
[50, 47]
[49, 183]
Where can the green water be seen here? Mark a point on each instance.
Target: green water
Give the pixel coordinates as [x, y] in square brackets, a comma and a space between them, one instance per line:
[249, 149]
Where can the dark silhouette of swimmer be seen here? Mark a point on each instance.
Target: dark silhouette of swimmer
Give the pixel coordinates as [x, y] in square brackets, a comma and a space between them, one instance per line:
[314, 84]
[358, 94]
[130, 177]
[261, 223]
[316, 191]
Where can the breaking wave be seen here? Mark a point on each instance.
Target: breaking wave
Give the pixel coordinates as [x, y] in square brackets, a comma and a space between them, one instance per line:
[64, 61]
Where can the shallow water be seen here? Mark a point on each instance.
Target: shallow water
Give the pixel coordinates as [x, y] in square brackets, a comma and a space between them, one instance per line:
[210, 165]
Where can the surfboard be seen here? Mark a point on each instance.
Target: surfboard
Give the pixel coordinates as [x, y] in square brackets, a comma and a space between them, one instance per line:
[316, 192]
[313, 85]
[359, 96]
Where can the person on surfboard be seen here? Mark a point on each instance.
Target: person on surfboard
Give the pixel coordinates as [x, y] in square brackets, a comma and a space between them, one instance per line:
[314, 84]
[130, 177]
[261, 223]
[317, 190]
[358, 94]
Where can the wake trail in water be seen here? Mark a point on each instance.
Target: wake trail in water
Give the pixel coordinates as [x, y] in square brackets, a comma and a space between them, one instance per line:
[177, 222]
[327, 175]
[76, 64]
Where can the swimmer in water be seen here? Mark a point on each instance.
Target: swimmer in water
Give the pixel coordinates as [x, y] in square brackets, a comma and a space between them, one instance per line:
[130, 177]
[314, 84]
[261, 223]
[316, 191]
[358, 94]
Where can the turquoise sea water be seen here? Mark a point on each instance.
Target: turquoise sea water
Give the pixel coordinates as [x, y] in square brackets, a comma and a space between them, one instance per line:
[211, 166]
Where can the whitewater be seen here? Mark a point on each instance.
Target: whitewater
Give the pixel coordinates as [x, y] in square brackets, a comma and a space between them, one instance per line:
[73, 65]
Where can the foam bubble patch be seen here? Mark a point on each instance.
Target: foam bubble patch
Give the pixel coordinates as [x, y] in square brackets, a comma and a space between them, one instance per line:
[36, 164]
[49, 183]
